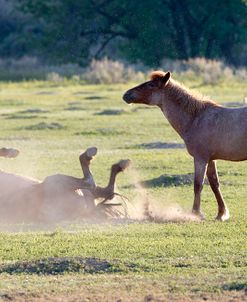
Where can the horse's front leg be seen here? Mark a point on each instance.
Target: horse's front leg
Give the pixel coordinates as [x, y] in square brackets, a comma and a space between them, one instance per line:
[200, 171]
[223, 213]
[108, 191]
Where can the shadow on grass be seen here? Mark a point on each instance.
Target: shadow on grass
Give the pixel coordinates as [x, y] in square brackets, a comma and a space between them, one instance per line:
[55, 266]
[236, 286]
[44, 126]
[34, 110]
[26, 114]
[111, 112]
[21, 117]
[167, 180]
[94, 97]
[101, 132]
[160, 145]
[74, 108]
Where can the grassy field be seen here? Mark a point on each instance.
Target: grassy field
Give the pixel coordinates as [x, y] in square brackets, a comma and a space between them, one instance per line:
[134, 261]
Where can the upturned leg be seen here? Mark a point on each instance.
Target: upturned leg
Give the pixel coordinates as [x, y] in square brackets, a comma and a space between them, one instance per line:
[108, 191]
[85, 160]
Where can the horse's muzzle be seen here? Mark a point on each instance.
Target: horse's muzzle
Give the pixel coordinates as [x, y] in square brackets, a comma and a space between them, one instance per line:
[127, 97]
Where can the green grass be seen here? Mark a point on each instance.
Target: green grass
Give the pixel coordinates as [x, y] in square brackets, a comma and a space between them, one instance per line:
[51, 125]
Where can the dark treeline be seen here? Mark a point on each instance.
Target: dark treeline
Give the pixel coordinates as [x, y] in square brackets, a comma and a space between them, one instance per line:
[67, 31]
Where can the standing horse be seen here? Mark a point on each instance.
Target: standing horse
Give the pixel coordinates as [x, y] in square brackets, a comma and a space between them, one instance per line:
[210, 131]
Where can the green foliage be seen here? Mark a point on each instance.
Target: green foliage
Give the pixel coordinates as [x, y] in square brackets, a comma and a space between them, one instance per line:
[12, 28]
[139, 31]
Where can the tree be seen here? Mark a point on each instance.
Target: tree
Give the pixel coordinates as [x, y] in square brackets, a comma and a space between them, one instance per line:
[12, 24]
[146, 31]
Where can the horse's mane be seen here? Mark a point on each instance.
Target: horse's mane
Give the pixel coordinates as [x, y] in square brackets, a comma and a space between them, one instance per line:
[192, 102]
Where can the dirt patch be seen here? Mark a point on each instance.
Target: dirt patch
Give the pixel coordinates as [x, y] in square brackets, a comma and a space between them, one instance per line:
[55, 266]
[160, 145]
[88, 294]
[146, 207]
[153, 211]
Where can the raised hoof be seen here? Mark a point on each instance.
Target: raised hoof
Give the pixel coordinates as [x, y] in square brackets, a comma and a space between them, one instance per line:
[88, 155]
[91, 152]
[223, 217]
[198, 215]
[124, 164]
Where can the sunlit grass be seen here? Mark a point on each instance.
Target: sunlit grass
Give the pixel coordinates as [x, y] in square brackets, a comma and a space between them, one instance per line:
[51, 125]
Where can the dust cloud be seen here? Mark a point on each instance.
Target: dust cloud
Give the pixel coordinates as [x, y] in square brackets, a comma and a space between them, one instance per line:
[148, 208]
[23, 207]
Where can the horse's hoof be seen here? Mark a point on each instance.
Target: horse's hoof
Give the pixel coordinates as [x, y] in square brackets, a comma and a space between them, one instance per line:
[88, 155]
[91, 152]
[223, 217]
[198, 215]
[124, 164]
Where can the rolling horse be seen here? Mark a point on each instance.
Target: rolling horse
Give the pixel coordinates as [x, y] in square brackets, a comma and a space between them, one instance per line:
[209, 130]
[58, 197]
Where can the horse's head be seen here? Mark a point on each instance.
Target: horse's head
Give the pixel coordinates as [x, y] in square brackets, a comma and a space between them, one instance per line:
[150, 92]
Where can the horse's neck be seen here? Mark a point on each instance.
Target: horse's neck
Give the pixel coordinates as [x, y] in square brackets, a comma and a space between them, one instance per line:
[179, 118]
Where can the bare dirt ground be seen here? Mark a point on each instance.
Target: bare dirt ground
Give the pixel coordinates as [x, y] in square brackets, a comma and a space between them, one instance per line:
[89, 295]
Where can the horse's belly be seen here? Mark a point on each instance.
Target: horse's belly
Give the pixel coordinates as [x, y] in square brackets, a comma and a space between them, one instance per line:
[234, 150]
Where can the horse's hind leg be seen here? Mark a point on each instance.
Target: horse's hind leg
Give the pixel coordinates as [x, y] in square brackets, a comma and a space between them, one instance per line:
[223, 213]
[85, 160]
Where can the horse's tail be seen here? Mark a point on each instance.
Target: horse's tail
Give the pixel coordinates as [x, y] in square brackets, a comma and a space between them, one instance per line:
[9, 152]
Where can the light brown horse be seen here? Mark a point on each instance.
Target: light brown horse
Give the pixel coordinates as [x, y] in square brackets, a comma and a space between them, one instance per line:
[59, 197]
[210, 131]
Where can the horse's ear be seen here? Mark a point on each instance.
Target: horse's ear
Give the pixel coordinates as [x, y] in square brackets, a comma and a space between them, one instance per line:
[166, 78]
